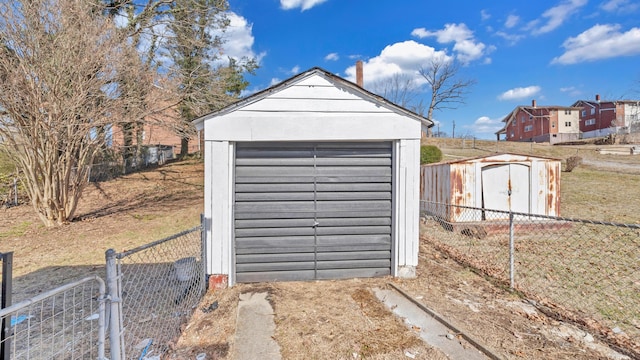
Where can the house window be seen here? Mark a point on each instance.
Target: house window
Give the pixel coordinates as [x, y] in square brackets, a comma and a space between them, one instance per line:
[528, 128]
[590, 122]
[512, 134]
[530, 117]
[567, 123]
[567, 112]
[593, 111]
[523, 118]
[584, 113]
[553, 125]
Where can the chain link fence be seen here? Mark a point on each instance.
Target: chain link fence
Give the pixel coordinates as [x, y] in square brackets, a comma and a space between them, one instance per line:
[154, 290]
[587, 272]
[65, 323]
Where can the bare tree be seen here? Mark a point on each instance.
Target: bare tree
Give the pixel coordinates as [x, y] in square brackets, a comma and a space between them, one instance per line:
[447, 91]
[60, 66]
[402, 90]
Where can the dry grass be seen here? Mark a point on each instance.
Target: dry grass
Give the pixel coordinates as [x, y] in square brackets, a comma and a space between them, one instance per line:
[321, 320]
[119, 214]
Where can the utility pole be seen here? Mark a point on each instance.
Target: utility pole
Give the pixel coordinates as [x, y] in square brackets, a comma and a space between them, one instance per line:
[453, 133]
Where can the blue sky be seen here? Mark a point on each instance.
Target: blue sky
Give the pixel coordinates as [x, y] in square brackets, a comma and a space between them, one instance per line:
[556, 52]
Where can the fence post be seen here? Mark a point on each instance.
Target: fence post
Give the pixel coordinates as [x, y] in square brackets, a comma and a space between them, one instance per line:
[114, 325]
[7, 279]
[15, 194]
[511, 253]
[203, 249]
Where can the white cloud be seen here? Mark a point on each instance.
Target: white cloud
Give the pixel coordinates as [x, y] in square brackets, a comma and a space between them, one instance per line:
[519, 93]
[239, 38]
[302, 4]
[274, 81]
[332, 57]
[512, 20]
[600, 42]
[465, 45]
[403, 57]
[295, 70]
[484, 15]
[485, 125]
[512, 39]
[554, 17]
[622, 6]
[571, 90]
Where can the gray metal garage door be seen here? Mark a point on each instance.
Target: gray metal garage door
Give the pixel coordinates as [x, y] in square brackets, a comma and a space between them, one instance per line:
[308, 211]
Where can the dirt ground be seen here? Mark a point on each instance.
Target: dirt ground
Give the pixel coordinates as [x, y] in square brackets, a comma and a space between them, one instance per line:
[121, 214]
[343, 319]
[314, 320]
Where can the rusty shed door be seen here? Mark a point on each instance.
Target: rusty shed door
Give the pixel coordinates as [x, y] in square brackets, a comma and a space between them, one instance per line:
[505, 187]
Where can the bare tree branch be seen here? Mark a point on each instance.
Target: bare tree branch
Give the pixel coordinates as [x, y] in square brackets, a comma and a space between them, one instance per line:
[447, 92]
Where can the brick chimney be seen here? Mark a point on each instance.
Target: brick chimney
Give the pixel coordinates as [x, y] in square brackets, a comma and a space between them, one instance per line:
[359, 74]
[533, 103]
[598, 97]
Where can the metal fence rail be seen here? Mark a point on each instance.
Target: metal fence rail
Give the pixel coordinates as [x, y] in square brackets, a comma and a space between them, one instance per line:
[155, 288]
[586, 271]
[63, 323]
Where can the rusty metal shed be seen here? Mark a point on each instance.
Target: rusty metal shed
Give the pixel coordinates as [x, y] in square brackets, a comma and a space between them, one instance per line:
[506, 182]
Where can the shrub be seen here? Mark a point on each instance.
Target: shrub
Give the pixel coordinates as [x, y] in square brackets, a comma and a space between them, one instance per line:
[572, 162]
[430, 154]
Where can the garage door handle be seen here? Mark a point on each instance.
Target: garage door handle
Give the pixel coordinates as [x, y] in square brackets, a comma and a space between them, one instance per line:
[315, 224]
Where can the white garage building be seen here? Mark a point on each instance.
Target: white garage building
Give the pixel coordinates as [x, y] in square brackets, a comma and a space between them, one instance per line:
[313, 178]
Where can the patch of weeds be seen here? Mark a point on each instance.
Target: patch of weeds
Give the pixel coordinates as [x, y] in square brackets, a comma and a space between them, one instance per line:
[145, 217]
[16, 230]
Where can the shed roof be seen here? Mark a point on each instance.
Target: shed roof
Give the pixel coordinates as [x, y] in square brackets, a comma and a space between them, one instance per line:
[494, 157]
[199, 122]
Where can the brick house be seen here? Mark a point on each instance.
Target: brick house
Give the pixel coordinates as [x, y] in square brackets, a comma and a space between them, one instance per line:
[604, 117]
[159, 129]
[553, 124]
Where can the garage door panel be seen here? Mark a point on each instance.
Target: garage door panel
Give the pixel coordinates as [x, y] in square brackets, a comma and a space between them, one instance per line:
[273, 196]
[264, 276]
[351, 273]
[252, 215]
[320, 179]
[271, 223]
[312, 206]
[275, 257]
[354, 205]
[290, 179]
[354, 240]
[273, 187]
[281, 241]
[353, 161]
[352, 230]
[355, 186]
[310, 196]
[274, 171]
[353, 264]
[353, 214]
[322, 222]
[354, 255]
[369, 221]
[275, 206]
[349, 171]
[274, 250]
[276, 266]
[275, 232]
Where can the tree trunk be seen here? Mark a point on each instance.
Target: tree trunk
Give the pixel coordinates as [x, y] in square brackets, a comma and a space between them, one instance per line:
[184, 147]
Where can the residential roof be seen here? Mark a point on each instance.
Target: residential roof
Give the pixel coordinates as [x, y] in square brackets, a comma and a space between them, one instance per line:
[532, 110]
[303, 75]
